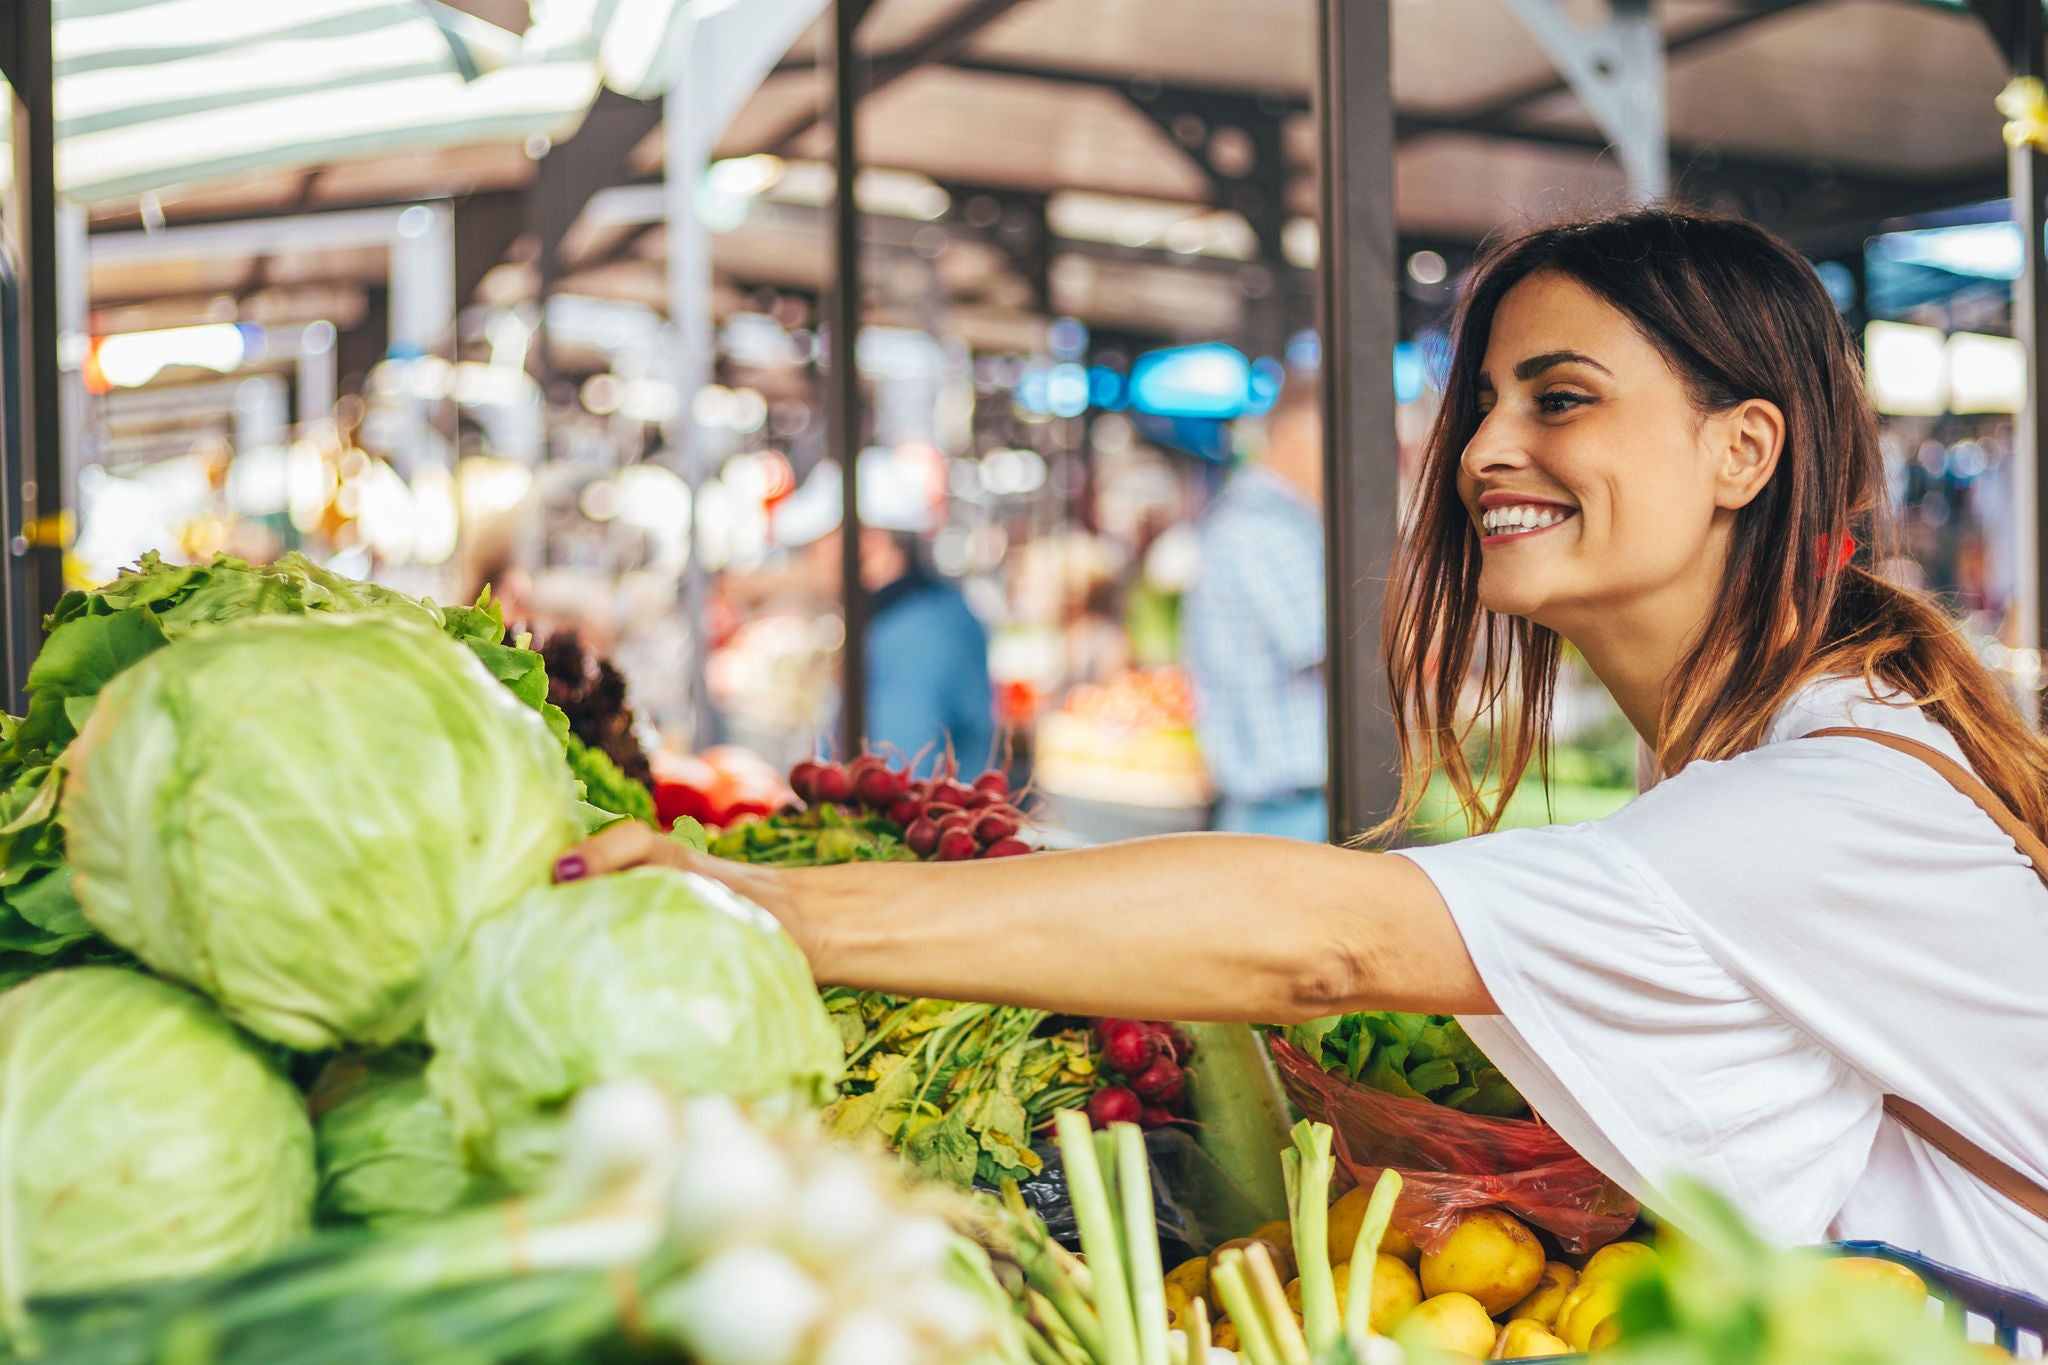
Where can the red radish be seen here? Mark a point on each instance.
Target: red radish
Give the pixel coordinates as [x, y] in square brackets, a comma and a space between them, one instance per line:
[1155, 1117]
[878, 787]
[952, 793]
[803, 780]
[1006, 848]
[1160, 1082]
[1113, 1104]
[1128, 1046]
[995, 826]
[832, 783]
[981, 800]
[939, 810]
[956, 845]
[994, 783]
[1181, 1042]
[922, 838]
[904, 810]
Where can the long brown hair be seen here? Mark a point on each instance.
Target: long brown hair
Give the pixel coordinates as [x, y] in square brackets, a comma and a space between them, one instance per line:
[1737, 314]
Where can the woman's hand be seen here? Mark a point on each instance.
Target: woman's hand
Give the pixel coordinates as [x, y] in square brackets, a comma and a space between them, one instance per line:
[631, 843]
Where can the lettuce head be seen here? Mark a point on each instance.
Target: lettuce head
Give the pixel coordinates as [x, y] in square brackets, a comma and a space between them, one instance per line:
[651, 973]
[387, 1149]
[145, 1138]
[304, 815]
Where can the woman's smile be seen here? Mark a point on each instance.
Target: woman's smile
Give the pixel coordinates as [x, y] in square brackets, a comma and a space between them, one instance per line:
[1505, 517]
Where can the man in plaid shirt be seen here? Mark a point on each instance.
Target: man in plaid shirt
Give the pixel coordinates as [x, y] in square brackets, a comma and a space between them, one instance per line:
[1254, 633]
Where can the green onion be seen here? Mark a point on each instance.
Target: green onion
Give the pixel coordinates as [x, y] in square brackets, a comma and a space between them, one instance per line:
[1365, 1255]
[1148, 1279]
[1097, 1220]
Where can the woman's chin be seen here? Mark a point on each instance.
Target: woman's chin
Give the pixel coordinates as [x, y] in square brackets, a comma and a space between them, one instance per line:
[1508, 597]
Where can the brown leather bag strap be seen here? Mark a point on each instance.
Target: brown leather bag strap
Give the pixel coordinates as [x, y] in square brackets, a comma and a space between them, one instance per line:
[2022, 1190]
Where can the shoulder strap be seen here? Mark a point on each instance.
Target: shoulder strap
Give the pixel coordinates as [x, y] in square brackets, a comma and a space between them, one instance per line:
[2022, 1190]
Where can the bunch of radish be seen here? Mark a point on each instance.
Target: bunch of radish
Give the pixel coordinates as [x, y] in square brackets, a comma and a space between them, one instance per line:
[1149, 1084]
[942, 818]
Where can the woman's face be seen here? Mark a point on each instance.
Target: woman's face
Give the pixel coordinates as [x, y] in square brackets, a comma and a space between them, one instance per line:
[1592, 481]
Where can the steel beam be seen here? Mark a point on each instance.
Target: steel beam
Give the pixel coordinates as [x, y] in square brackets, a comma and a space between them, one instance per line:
[1355, 111]
[34, 476]
[843, 415]
[1616, 68]
[936, 44]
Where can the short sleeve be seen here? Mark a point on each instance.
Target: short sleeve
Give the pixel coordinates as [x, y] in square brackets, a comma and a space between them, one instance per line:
[1635, 1043]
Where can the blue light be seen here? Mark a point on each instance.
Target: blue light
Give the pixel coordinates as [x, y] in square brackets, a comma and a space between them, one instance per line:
[1106, 389]
[1066, 338]
[1033, 390]
[1262, 390]
[1066, 390]
[1305, 350]
[1409, 372]
[1206, 380]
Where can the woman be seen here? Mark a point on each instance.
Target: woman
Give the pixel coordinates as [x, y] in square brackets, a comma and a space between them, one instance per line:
[1655, 446]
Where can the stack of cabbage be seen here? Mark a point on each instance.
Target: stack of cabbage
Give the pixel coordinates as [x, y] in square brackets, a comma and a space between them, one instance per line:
[266, 827]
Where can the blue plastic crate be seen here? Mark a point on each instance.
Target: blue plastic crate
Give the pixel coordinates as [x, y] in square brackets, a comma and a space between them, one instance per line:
[2018, 1322]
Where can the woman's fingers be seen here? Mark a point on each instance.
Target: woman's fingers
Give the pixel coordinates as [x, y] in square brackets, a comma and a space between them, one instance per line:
[627, 843]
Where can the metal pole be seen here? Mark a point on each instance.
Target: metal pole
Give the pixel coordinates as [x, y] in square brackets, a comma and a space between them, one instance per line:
[1355, 109]
[39, 543]
[2027, 168]
[845, 412]
[74, 312]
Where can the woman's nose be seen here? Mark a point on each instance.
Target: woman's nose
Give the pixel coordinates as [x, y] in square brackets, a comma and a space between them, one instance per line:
[1492, 450]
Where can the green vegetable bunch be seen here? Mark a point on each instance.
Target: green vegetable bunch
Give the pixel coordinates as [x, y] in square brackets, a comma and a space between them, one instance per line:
[958, 1089]
[1417, 1056]
[819, 835]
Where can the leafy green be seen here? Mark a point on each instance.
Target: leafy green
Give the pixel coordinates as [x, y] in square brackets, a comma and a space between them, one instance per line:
[1416, 1056]
[387, 1147]
[303, 815]
[146, 1138]
[604, 784]
[652, 973]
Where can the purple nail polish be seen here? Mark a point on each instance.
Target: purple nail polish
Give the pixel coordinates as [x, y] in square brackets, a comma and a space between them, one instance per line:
[570, 867]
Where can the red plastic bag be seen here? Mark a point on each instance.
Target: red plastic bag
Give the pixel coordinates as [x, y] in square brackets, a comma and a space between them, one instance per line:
[1452, 1163]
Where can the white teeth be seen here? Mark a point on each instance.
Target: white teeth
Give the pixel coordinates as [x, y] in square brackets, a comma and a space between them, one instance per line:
[1521, 518]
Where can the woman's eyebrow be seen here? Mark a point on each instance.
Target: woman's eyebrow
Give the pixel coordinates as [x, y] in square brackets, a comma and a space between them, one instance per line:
[1537, 364]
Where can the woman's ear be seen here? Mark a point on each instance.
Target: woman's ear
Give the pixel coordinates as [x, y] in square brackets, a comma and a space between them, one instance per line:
[1745, 442]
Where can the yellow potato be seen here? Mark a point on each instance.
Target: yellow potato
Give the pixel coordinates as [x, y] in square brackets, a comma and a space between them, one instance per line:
[1526, 1339]
[1346, 1216]
[1490, 1256]
[1886, 1274]
[1279, 1232]
[1604, 1335]
[1452, 1322]
[1585, 1308]
[1547, 1297]
[1395, 1290]
[1617, 1260]
[1191, 1275]
[1178, 1304]
[1283, 1257]
[1224, 1333]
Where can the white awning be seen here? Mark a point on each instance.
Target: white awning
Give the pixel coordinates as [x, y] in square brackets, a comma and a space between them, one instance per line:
[156, 93]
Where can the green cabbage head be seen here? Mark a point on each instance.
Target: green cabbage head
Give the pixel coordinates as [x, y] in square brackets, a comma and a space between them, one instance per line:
[144, 1138]
[387, 1148]
[303, 816]
[650, 973]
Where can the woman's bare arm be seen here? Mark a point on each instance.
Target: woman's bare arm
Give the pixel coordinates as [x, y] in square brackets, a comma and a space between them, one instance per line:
[1195, 926]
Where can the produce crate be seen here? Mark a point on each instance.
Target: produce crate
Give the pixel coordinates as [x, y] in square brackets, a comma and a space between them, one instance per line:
[2018, 1322]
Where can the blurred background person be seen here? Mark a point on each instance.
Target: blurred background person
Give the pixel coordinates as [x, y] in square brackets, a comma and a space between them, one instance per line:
[927, 653]
[1253, 630]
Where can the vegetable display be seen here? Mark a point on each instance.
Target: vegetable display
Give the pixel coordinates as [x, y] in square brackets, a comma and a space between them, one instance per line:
[1416, 1056]
[304, 815]
[653, 973]
[668, 1233]
[143, 1138]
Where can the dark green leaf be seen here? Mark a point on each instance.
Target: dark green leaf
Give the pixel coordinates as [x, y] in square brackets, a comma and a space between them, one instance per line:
[50, 903]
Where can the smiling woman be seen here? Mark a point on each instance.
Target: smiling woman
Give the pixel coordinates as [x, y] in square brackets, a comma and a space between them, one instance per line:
[1654, 446]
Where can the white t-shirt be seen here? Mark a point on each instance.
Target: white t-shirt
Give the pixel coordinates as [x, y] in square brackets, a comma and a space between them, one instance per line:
[1726, 977]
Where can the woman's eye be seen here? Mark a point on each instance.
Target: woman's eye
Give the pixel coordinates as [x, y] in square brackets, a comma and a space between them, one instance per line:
[1557, 402]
